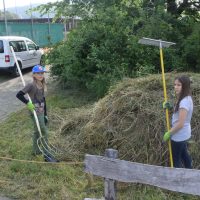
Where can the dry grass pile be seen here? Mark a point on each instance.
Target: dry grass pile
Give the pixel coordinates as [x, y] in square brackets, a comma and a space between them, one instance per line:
[130, 119]
[66, 129]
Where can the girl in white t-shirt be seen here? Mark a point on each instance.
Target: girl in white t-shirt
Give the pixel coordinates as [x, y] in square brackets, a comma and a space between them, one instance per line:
[181, 128]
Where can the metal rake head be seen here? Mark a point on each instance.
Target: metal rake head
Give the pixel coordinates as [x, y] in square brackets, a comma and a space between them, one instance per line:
[153, 42]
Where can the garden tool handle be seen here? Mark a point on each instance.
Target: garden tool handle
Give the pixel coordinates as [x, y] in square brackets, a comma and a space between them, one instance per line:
[20, 73]
[165, 98]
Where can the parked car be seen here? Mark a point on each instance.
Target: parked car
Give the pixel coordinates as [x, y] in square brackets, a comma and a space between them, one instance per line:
[27, 53]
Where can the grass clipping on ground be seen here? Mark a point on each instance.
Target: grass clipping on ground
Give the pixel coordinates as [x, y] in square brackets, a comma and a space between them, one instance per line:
[130, 119]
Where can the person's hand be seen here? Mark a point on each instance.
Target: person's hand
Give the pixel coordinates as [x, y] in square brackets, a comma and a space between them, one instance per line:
[46, 120]
[30, 106]
[166, 136]
[167, 105]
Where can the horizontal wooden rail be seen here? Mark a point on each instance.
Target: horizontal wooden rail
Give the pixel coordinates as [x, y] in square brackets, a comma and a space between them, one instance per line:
[180, 180]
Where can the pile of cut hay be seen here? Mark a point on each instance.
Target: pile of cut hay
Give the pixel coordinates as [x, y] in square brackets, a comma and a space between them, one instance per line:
[130, 119]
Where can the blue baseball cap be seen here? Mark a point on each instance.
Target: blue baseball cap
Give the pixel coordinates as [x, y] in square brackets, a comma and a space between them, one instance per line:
[38, 68]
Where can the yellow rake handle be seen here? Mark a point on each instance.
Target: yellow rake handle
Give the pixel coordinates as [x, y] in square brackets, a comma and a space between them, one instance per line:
[165, 98]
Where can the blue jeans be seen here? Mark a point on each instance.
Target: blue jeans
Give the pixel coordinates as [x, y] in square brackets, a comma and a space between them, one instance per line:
[180, 155]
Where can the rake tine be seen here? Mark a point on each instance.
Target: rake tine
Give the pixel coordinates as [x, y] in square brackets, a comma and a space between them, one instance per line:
[55, 149]
[50, 146]
[43, 148]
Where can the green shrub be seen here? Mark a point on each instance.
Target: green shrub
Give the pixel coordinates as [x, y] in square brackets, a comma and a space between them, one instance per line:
[104, 48]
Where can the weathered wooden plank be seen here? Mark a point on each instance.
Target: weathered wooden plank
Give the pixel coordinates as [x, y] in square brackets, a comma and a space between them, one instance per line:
[110, 188]
[181, 180]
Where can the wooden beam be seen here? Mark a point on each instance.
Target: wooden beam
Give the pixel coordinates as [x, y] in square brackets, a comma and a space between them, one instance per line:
[110, 188]
[175, 179]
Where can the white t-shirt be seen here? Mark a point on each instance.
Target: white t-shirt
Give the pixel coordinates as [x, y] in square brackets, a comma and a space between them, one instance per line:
[185, 132]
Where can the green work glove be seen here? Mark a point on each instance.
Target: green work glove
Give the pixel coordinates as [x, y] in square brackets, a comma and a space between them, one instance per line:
[167, 105]
[30, 106]
[166, 136]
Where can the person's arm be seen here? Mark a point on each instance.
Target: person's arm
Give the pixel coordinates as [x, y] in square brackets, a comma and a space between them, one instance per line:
[45, 112]
[182, 117]
[178, 125]
[184, 108]
[20, 96]
[45, 107]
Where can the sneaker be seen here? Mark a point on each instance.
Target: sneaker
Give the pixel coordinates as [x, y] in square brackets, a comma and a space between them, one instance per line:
[49, 159]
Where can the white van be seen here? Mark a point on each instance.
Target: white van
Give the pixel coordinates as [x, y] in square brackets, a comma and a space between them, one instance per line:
[27, 53]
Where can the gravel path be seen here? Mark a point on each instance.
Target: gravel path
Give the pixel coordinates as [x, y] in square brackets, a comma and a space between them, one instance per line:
[9, 86]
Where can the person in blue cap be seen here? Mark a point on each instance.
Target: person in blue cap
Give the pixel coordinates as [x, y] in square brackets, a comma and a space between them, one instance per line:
[36, 91]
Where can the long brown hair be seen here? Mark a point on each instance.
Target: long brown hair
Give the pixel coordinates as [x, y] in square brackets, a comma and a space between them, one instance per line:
[43, 82]
[186, 90]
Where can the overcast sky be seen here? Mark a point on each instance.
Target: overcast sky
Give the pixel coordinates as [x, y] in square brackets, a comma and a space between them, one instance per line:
[18, 3]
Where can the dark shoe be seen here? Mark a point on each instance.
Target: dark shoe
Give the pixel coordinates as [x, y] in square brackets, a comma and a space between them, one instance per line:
[50, 159]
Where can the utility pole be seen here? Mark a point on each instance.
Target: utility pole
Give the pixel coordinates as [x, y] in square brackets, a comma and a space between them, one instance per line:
[49, 32]
[5, 18]
[16, 8]
[32, 36]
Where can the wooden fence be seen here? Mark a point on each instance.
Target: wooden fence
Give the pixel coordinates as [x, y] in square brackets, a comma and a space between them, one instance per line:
[175, 179]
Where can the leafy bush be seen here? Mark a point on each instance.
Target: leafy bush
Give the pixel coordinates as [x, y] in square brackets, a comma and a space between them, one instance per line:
[96, 54]
[191, 50]
[104, 48]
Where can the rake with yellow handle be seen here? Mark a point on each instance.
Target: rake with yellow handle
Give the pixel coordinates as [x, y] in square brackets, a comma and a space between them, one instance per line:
[161, 44]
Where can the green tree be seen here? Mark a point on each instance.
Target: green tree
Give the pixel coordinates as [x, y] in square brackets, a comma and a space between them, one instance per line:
[97, 53]
[104, 48]
[191, 49]
[191, 7]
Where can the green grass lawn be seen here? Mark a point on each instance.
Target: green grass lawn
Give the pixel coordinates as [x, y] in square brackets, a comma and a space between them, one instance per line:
[61, 181]
[35, 180]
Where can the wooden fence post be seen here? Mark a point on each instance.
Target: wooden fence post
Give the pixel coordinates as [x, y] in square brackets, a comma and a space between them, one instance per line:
[110, 187]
